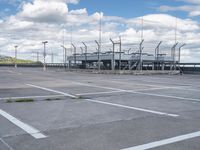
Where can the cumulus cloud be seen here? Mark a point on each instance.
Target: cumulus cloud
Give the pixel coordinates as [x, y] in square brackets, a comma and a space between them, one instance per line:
[53, 21]
[192, 8]
[13, 2]
[192, 1]
[42, 11]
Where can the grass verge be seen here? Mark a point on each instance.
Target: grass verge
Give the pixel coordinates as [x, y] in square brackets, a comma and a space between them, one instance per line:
[20, 100]
[53, 99]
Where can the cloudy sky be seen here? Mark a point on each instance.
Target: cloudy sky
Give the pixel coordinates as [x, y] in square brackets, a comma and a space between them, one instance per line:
[27, 23]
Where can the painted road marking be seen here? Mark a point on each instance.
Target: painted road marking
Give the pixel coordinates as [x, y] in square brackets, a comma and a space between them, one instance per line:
[134, 108]
[58, 92]
[167, 96]
[27, 128]
[111, 104]
[165, 141]
[143, 93]
[155, 85]
[143, 84]
[97, 86]
[95, 93]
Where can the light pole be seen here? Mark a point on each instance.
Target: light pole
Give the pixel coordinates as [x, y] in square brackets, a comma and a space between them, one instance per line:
[173, 51]
[74, 53]
[157, 52]
[179, 53]
[173, 55]
[16, 56]
[44, 65]
[113, 55]
[120, 53]
[85, 55]
[98, 51]
[65, 55]
[140, 67]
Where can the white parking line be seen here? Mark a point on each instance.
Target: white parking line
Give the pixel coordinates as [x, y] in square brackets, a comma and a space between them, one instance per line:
[166, 96]
[112, 104]
[152, 89]
[27, 128]
[134, 108]
[119, 91]
[95, 93]
[165, 141]
[97, 86]
[143, 93]
[46, 89]
[158, 86]
[143, 84]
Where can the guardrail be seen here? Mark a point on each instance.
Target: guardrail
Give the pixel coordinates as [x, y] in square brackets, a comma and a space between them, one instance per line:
[185, 67]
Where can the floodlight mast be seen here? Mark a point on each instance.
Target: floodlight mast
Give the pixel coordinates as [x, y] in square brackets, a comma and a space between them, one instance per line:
[120, 53]
[176, 29]
[98, 51]
[100, 32]
[74, 53]
[44, 65]
[65, 56]
[179, 54]
[173, 56]
[140, 58]
[85, 54]
[142, 28]
[173, 51]
[157, 52]
[113, 55]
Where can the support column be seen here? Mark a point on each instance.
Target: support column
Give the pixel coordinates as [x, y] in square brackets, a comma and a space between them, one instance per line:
[140, 65]
[70, 64]
[153, 66]
[163, 66]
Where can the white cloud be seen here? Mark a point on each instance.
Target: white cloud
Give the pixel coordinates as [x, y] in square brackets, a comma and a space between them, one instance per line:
[192, 1]
[63, 1]
[192, 8]
[45, 20]
[195, 13]
[13, 2]
[79, 12]
[42, 11]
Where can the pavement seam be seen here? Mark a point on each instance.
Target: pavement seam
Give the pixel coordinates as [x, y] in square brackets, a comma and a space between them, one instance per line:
[6, 144]
[141, 92]
[107, 103]
[80, 126]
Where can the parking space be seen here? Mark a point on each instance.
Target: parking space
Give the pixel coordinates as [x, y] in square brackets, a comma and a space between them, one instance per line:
[81, 111]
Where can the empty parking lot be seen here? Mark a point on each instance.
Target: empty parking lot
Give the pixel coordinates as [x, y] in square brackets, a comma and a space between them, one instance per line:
[82, 111]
